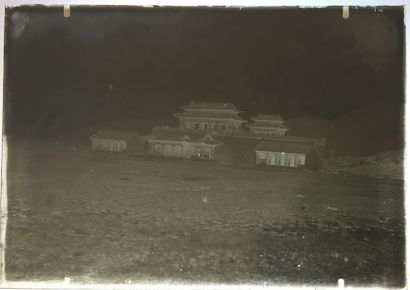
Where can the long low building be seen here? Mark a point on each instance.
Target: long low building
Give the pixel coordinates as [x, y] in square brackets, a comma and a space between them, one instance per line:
[285, 154]
[282, 151]
[118, 141]
[183, 143]
[274, 151]
[216, 131]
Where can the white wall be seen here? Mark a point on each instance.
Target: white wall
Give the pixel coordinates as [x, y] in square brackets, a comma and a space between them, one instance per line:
[280, 159]
[108, 145]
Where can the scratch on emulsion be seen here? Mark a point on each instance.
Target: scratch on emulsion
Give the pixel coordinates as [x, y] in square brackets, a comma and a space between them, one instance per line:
[3, 210]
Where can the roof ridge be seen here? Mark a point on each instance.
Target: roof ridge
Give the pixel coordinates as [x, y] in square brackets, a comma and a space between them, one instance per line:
[210, 105]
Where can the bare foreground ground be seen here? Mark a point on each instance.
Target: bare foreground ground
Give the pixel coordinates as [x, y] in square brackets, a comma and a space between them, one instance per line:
[101, 217]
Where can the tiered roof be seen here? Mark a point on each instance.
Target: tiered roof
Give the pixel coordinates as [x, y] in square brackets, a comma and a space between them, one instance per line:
[178, 134]
[268, 121]
[269, 125]
[210, 110]
[210, 106]
[211, 115]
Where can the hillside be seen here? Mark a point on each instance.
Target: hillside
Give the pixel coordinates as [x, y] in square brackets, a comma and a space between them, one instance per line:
[359, 132]
[382, 165]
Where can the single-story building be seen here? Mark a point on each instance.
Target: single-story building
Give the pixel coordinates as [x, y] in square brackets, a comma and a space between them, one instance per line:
[289, 154]
[118, 141]
[274, 151]
[183, 143]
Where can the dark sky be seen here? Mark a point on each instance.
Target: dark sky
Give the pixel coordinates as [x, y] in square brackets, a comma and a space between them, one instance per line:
[110, 63]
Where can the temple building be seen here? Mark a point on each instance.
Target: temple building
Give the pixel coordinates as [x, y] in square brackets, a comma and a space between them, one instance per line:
[268, 125]
[210, 116]
[216, 131]
[183, 143]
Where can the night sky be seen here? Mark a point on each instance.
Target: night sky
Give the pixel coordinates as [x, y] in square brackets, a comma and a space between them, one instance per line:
[107, 65]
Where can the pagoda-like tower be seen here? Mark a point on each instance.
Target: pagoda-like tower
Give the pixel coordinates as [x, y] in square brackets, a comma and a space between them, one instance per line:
[268, 125]
[210, 116]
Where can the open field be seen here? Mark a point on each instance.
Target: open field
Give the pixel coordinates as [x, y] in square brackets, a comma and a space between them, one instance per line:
[95, 216]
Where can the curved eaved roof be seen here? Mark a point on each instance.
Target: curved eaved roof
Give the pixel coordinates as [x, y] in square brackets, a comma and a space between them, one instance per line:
[210, 106]
[268, 126]
[178, 134]
[209, 115]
